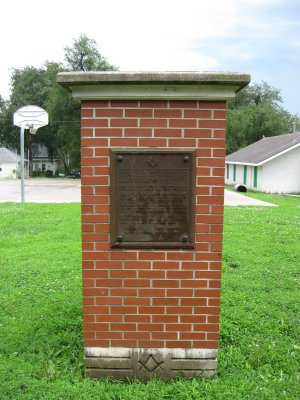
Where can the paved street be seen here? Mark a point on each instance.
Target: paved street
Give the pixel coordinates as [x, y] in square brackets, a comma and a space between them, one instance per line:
[41, 190]
[68, 191]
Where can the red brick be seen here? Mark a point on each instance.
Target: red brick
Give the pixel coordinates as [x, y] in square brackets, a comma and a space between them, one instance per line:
[137, 335]
[179, 344]
[123, 292]
[165, 319]
[94, 123]
[87, 113]
[139, 113]
[212, 143]
[164, 335]
[153, 123]
[92, 104]
[183, 104]
[138, 318]
[165, 301]
[87, 132]
[150, 343]
[197, 113]
[121, 273]
[219, 114]
[152, 142]
[109, 335]
[129, 142]
[87, 152]
[151, 274]
[151, 255]
[198, 133]
[123, 343]
[192, 336]
[123, 122]
[166, 265]
[138, 132]
[213, 104]
[167, 113]
[152, 292]
[179, 256]
[123, 327]
[123, 309]
[179, 275]
[109, 112]
[151, 310]
[167, 132]
[212, 123]
[182, 143]
[93, 142]
[137, 301]
[124, 103]
[165, 283]
[137, 283]
[109, 132]
[153, 103]
[183, 123]
[151, 327]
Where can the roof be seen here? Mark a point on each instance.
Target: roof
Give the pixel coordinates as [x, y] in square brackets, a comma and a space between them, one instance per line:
[8, 156]
[264, 150]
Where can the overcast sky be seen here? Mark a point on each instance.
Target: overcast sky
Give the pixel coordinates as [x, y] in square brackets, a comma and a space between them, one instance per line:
[261, 37]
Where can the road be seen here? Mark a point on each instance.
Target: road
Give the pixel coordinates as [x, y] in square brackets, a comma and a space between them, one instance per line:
[68, 191]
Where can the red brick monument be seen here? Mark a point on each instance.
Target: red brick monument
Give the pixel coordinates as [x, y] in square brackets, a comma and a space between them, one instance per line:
[153, 148]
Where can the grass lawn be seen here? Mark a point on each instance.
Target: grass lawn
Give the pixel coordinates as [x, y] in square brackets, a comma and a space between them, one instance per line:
[40, 320]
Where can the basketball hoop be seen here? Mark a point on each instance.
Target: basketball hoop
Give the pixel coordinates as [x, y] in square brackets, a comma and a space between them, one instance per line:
[32, 118]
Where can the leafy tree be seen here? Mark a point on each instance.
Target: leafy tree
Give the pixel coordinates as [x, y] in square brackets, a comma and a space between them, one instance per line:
[37, 86]
[28, 88]
[64, 111]
[254, 113]
[84, 56]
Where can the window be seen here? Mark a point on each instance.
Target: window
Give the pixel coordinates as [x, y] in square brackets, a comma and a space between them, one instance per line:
[234, 172]
[255, 177]
[43, 167]
[227, 171]
[245, 174]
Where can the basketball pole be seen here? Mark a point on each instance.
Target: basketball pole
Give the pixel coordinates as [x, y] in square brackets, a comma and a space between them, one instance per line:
[22, 163]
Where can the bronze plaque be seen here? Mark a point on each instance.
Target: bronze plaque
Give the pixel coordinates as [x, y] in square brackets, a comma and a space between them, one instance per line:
[152, 199]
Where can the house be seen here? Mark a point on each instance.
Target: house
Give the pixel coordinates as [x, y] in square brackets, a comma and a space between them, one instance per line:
[10, 164]
[41, 161]
[271, 165]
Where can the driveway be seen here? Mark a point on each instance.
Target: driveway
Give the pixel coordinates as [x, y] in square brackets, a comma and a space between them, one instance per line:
[68, 191]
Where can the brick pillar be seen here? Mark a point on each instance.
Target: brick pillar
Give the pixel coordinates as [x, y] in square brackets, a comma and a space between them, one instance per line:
[151, 310]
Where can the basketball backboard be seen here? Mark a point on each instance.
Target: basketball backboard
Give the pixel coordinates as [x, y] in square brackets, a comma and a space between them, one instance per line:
[31, 117]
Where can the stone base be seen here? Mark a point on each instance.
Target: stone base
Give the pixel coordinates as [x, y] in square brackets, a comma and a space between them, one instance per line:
[127, 363]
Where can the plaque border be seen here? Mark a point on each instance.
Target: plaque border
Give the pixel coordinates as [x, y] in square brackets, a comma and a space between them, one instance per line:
[113, 196]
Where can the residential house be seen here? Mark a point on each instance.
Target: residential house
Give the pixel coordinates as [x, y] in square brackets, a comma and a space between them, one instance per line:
[41, 161]
[271, 165]
[10, 164]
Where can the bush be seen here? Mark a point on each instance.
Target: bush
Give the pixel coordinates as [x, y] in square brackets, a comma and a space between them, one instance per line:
[49, 173]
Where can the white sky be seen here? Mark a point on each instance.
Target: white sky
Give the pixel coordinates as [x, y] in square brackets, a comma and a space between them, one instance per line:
[261, 37]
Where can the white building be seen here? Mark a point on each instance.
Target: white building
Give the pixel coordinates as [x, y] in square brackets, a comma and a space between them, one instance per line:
[271, 165]
[41, 161]
[10, 164]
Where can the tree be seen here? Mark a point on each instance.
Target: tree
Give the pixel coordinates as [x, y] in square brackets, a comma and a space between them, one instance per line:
[28, 88]
[37, 86]
[84, 56]
[254, 113]
[63, 110]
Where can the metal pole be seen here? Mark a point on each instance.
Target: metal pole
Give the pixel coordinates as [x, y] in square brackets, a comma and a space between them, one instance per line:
[22, 163]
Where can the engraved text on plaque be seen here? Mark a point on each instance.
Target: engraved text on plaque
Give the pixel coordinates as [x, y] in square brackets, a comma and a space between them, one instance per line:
[152, 199]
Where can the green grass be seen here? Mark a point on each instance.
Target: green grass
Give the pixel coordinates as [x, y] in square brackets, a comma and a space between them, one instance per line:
[40, 319]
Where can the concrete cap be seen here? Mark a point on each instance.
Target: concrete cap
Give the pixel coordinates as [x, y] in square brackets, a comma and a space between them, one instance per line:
[188, 77]
[153, 84]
